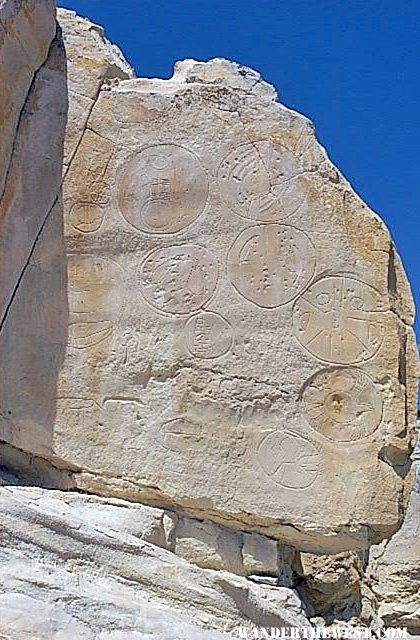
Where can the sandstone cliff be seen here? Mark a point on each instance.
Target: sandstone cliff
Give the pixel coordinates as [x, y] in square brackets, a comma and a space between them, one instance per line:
[209, 396]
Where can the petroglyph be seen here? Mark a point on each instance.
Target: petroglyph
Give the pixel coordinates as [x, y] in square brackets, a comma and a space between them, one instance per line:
[96, 299]
[289, 459]
[179, 279]
[343, 404]
[163, 189]
[208, 335]
[261, 182]
[269, 265]
[337, 320]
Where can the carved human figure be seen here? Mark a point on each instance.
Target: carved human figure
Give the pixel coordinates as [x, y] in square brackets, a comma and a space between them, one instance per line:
[163, 189]
[343, 404]
[269, 265]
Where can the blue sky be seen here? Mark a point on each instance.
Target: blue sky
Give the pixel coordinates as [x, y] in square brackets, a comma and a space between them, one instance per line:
[351, 66]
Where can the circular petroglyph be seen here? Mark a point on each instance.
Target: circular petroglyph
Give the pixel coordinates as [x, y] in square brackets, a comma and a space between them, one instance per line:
[261, 182]
[86, 217]
[337, 320]
[343, 404]
[208, 335]
[96, 298]
[179, 279]
[289, 459]
[270, 264]
[180, 434]
[163, 189]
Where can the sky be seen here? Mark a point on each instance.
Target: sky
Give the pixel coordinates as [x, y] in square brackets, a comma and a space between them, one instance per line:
[351, 66]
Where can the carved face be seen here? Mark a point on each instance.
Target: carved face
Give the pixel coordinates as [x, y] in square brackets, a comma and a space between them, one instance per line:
[343, 404]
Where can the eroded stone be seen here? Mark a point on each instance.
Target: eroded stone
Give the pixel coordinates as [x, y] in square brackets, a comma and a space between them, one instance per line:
[232, 342]
[98, 554]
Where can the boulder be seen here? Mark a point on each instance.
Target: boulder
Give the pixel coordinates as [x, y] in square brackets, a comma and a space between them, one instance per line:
[225, 327]
[394, 569]
[84, 567]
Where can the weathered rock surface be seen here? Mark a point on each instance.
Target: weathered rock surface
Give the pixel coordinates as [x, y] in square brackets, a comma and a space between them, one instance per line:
[394, 570]
[26, 32]
[83, 567]
[332, 585]
[197, 314]
[32, 109]
[92, 62]
[32, 244]
[233, 336]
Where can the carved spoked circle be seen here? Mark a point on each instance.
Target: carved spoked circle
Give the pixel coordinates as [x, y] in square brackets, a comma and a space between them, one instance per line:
[208, 335]
[269, 265]
[179, 279]
[261, 181]
[338, 321]
[163, 189]
[289, 459]
[343, 404]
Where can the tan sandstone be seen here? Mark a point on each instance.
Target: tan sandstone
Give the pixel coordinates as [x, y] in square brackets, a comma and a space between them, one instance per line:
[202, 323]
[29, 112]
[231, 337]
[393, 573]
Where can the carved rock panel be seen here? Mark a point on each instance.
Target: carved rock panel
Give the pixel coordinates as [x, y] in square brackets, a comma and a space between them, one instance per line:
[179, 279]
[163, 189]
[269, 265]
[233, 343]
[342, 404]
[338, 320]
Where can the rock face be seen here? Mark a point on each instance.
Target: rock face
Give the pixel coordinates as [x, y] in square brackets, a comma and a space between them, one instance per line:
[32, 110]
[197, 314]
[32, 238]
[107, 557]
[26, 31]
[233, 335]
[394, 570]
[92, 62]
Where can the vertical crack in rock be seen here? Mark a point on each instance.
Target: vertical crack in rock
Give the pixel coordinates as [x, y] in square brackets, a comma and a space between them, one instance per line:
[392, 276]
[49, 77]
[22, 273]
[22, 115]
[402, 373]
[20, 118]
[109, 74]
[26, 32]
[85, 128]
